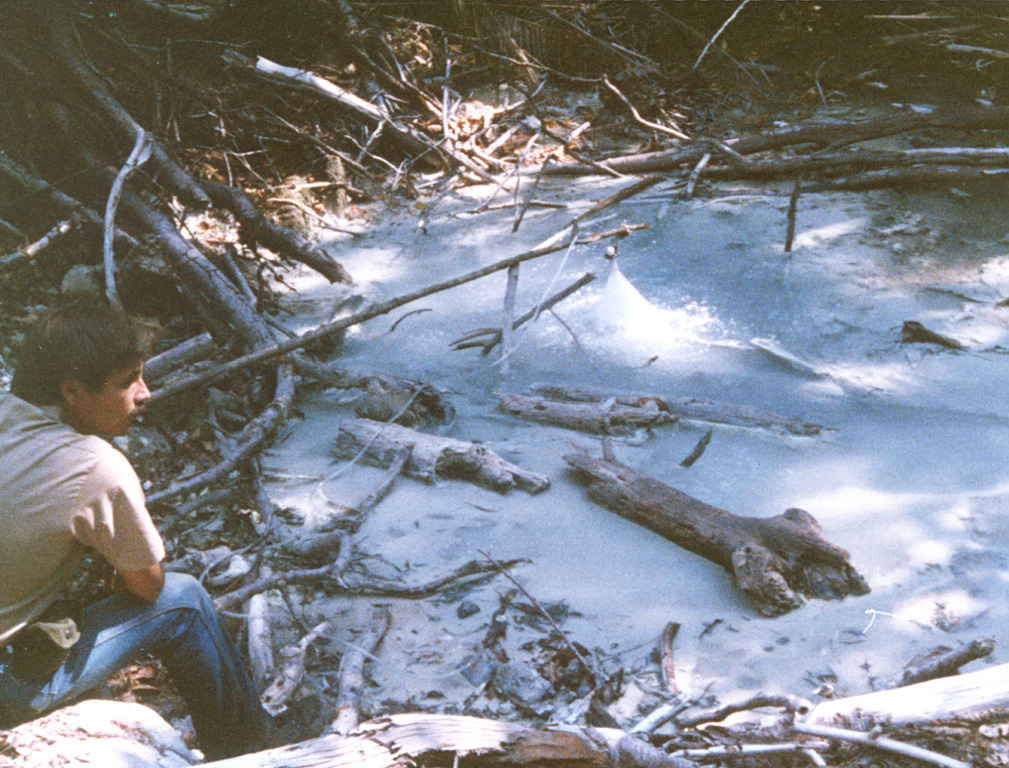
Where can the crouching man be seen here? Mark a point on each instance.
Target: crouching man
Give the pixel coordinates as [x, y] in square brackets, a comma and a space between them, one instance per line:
[63, 490]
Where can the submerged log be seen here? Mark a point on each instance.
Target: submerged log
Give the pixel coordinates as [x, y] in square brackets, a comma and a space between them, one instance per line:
[433, 456]
[690, 408]
[776, 561]
[608, 417]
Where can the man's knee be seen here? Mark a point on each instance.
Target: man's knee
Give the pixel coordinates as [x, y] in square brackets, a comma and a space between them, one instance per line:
[182, 590]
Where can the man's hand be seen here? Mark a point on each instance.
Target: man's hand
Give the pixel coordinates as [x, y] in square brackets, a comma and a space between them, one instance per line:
[145, 583]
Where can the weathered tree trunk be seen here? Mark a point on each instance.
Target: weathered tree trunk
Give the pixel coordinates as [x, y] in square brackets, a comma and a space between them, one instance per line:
[973, 694]
[688, 408]
[448, 740]
[606, 417]
[432, 456]
[776, 561]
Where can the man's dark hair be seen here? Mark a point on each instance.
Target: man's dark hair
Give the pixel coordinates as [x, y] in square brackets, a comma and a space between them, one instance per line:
[82, 340]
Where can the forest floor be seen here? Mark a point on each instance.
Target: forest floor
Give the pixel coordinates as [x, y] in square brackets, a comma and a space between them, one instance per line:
[705, 302]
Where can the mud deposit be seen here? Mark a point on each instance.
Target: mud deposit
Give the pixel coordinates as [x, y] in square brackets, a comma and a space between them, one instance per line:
[909, 474]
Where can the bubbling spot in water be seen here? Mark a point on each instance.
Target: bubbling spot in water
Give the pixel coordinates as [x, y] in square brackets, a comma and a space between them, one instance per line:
[620, 314]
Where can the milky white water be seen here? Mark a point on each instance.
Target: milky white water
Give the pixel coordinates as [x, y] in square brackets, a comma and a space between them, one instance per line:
[911, 476]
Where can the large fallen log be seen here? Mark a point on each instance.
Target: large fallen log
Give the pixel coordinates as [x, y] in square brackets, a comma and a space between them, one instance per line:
[97, 732]
[400, 741]
[973, 695]
[776, 561]
[433, 456]
[118, 734]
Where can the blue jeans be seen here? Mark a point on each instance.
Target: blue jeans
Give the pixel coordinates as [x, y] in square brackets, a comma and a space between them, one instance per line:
[181, 627]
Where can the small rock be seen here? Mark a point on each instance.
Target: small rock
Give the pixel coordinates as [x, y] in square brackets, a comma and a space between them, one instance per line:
[477, 668]
[466, 609]
[519, 683]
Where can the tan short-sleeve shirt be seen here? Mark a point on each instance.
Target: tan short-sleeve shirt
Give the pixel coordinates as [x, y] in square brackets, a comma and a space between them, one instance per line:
[62, 492]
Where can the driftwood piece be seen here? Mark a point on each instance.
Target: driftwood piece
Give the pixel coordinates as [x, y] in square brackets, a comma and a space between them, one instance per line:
[776, 561]
[691, 408]
[973, 694]
[432, 456]
[467, 574]
[913, 331]
[31, 250]
[97, 732]
[291, 672]
[669, 633]
[351, 672]
[943, 661]
[260, 640]
[189, 351]
[608, 417]
[399, 741]
[698, 451]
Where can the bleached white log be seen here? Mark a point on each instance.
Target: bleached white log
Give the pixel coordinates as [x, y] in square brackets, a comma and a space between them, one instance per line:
[109, 734]
[968, 694]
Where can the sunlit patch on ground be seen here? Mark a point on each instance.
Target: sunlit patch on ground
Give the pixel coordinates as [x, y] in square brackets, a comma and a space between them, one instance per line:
[826, 234]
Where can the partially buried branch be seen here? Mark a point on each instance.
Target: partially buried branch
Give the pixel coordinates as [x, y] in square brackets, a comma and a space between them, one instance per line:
[351, 673]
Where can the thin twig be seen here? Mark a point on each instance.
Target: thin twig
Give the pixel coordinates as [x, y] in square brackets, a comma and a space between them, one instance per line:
[721, 29]
[637, 115]
[696, 174]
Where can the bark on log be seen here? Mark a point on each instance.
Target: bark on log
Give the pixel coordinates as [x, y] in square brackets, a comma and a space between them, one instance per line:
[691, 408]
[432, 456]
[776, 561]
[399, 741]
[189, 351]
[943, 661]
[609, 417]
[971, 695]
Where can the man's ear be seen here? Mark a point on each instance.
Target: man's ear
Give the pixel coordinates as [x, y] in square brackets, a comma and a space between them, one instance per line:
[70, 391]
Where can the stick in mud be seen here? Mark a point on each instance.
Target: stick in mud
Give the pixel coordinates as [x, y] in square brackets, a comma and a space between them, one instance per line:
[793, 204]
[698, 451]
